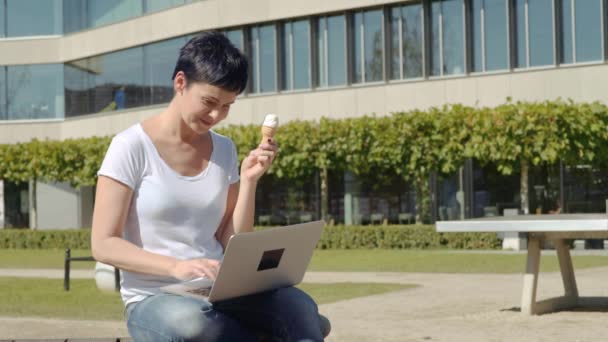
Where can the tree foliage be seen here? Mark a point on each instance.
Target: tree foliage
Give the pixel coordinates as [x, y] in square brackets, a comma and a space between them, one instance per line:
[410, 145]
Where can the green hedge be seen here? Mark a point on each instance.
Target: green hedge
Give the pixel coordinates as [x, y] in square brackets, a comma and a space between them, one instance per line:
[334, 237]
[45, 239]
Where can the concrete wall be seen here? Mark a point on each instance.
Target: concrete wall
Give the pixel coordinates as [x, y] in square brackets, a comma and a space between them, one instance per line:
[581, 83]
[58, 206]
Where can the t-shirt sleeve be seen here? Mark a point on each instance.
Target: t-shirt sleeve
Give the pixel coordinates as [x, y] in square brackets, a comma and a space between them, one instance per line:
[234, 177]
[122, 162]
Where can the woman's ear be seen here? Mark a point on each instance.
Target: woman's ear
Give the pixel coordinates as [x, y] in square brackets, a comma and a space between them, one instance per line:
[179, 82]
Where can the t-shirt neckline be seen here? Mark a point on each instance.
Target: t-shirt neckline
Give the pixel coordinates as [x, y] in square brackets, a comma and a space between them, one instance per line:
[157, 155]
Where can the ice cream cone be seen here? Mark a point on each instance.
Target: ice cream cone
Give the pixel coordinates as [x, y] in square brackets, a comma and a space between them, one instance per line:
[269, 127]
[267, 133]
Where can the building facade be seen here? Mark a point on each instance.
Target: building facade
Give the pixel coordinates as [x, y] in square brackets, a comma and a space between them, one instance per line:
[80, 68]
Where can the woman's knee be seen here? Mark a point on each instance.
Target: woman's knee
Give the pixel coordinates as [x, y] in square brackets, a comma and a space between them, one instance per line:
[181, 319]
[294, 298]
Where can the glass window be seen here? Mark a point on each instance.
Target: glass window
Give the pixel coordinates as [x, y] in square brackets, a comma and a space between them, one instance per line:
[110, 11]
[33, 17]
[493, 192]
[540, 30]
[521, 60]
[287, 58]
[159, 5]
[373, 45]
[2, 20]
[321, 52]
[566, 34]
[588, 30]
[489, 35]
[301, 54]
[357, 50]
[406, 41]
[453, 36]
[336, 46]
[296, 55]
[396, 43]
[331, 51]
[74, 15]
[476, 35]
[35, 91]
[160, 59]
[236, 37]
[447, 46]
[368, 46]
[108, 82]
[78, 79]
[435, 38]
[496, 35]
[263, 58]
[3, 115]
[119, 81]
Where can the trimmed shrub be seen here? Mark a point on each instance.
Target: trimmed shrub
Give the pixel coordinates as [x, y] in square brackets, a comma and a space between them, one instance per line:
[333, 237]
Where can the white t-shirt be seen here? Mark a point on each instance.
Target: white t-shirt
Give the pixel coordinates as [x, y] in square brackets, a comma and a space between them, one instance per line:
[170, 214]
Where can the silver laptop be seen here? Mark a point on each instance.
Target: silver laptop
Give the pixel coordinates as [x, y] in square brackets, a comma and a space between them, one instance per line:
[256, 262]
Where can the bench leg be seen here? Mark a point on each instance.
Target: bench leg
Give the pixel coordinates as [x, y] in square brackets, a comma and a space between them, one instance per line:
[566, 268]
[528, 299]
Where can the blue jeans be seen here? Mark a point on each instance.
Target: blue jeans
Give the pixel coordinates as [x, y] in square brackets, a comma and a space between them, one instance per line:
[286, 314]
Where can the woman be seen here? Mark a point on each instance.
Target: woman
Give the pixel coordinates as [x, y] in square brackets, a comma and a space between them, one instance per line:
[169, 197]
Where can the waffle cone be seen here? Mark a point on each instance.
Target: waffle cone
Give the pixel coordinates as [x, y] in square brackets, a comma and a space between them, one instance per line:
[267, 133]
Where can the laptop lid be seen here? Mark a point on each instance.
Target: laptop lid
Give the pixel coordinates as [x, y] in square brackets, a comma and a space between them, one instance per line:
[265, 260]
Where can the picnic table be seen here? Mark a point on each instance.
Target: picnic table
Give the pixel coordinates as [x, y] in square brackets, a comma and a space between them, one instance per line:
[557, 228]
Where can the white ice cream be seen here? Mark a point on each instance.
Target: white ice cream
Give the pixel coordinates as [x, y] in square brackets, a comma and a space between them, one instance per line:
[271, 120]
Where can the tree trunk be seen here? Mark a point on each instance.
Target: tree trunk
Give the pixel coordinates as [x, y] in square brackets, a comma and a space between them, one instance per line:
[324, 195]
[523, 188]
[423, 200]
[33, 207]
[1, 203]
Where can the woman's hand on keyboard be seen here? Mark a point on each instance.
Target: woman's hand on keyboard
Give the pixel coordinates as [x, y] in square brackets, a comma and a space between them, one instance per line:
[195, 268]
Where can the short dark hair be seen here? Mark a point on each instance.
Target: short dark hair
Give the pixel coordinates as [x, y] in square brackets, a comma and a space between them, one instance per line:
[211, 58]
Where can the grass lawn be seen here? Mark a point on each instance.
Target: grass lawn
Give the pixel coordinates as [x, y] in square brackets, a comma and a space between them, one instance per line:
[46, 297]
[438, 261]
[377, 260]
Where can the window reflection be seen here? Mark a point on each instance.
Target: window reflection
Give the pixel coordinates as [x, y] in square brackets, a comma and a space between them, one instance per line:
[2, 19]
[109, 82]
[110, 11]
[521, 59]
[374, 46]
[33, 17]
[236, 38]
[566, 32]
[588, 16]
[35, 91]
[160, 59]
[263, 58]
[540, 28]
[295, 55]
[496, 35]
[447, 31]
[406, 31]
[336, 46]
[3, 109]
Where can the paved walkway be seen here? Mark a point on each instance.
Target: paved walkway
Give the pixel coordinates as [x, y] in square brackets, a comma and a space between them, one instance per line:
[445, 307]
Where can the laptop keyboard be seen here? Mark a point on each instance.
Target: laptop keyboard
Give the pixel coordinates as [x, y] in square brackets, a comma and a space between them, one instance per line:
[201, 291]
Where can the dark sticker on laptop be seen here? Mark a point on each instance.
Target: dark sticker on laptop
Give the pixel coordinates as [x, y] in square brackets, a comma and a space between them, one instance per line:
[271, 259]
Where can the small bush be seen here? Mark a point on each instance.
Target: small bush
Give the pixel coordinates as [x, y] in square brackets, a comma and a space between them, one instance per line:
[333, 237]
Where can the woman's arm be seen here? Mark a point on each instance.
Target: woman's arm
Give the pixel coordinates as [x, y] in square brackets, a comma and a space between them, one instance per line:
[112, 202]
[240, 204]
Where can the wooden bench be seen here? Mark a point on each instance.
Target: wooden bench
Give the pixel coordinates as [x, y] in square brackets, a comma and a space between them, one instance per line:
[539, 228]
